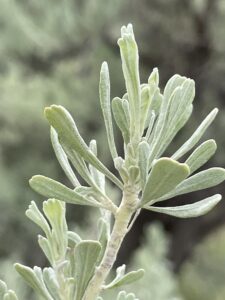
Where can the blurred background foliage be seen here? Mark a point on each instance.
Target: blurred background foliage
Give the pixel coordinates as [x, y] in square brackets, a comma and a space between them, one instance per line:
[51, 52]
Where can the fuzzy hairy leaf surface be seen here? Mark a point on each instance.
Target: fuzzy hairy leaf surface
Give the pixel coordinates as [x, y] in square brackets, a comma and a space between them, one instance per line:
[86, 257]
[165, 175]
[196, 209]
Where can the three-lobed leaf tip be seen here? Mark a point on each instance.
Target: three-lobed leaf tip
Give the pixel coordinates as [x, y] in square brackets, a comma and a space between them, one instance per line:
[48, 110]
[33, 179]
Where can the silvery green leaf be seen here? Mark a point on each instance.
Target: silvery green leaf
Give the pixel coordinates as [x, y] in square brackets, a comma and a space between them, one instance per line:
[165, 175]
[62, 158]
[125, 279]
[103, 236]
[120, 166]
[179, 93]
[143, 154]
[53, 189]
[46, 248]
[55, 213]
[130, 66]
[121, 118]
[158, 129]
[86, 256]
[201, 155]
[80, 166]
[70, 138]
[97, 176]
[73, 238]
[34, 214]
[180, 124]
[120, 271]
[126, 109]
[152, 117]
[124, 296]
[145, 104]
[104, 92]
[34, 279]
[51, 282]
[3, 288]
[156, 101]
[10, 295]
[175, 81]
[134, 174]
[190, 210]
[193, 140]
[181, 98]
[154, 77]
[180, 101]
[202, 180]
[85, 191]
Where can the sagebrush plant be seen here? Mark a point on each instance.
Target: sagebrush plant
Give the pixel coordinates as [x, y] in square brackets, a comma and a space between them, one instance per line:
[148, 120]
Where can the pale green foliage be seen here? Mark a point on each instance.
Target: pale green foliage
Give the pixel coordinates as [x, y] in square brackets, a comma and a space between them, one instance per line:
[159, 282]
[149, 119]
[202, 276]
[5, 293]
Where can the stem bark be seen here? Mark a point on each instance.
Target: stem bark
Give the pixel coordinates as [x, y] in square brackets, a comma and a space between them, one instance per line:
[120, 228]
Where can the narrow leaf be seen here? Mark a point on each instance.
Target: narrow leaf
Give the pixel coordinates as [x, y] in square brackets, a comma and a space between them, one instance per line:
[126, 279]
[201, 155]
[175, 81]
[190, 210]
[52, 283]
[86, 256]
[165, 175]
[120, 166]
[80, 166]
[33, 280]
[179, 93]
[179, 125]
[130, 65]
[145, 104]
[70, 138]
[154, 77]
[46, 248]
[55, 212]
[97, 176]
[104, 92]
[156, 102]
[152, 117]
[202, 180]
[143, 154]
[180, 102]
[104, 233]
[53, 189]
[62, 158]
[121, 118]
[196, 136]
[73, 239]
[34, 214]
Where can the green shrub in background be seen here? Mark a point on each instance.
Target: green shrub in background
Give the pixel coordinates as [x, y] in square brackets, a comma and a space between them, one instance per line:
[159, 282]
[42, 61]
[202, 277]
